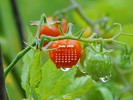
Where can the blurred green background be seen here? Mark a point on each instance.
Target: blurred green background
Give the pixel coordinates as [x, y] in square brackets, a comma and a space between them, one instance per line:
[120, 11]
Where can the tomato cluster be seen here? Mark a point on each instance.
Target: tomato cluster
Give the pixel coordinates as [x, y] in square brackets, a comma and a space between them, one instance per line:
[67, 52]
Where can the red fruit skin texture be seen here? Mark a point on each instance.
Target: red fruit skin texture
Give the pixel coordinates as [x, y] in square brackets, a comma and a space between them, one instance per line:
[67, 53]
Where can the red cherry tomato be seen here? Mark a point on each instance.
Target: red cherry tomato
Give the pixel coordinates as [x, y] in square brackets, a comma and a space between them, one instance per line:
[67, 53]
[53, 30]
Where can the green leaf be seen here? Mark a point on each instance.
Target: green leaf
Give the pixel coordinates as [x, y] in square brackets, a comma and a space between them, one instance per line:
[54, 80]
[35, 71]
[105, 93]
[98, 93]
[31, 72]
[80, 86]
[44, 81]
[27, 60]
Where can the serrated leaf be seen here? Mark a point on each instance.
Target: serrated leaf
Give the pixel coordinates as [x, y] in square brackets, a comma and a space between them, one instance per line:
[26, 69]
[31, 72]
[80, 86]
[54, 84]
[35, 71]
[54, 80]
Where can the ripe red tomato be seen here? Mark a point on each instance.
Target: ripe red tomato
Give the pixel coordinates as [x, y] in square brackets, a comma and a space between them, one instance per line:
[53, 30]
[67, 54]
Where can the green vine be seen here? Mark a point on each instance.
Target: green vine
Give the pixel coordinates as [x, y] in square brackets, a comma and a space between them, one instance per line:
[45, 38]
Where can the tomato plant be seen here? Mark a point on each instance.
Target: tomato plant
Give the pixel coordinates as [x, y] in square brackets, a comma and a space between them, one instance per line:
[67, 53]
[43, 76]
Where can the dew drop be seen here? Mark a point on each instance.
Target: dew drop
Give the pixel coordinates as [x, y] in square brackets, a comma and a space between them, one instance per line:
[105, 78]
[65, 69]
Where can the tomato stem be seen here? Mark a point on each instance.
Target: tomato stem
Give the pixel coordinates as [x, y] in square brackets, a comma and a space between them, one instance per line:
[43, 18]
[17, 58]
[69, 35]
[75, 6]
[101, 47]
[49, 39]
[61, 30]
[70, 29]
[80, 34]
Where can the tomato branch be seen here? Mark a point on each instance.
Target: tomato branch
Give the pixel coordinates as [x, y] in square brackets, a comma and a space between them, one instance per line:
[127, 34]
[49, 39]
[45, 38]
[75, 6]
[17, 58]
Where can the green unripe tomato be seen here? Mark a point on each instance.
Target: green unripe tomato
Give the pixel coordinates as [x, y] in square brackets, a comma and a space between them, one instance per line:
[97, 65]
[87, 32]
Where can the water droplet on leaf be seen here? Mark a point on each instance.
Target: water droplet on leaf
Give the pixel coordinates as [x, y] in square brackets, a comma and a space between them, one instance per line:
[102, 79]
[105, 78]
[65, 69]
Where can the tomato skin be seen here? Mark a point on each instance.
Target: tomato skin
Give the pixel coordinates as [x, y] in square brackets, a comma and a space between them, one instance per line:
[95, 64]
[67, 54]
[87, 32]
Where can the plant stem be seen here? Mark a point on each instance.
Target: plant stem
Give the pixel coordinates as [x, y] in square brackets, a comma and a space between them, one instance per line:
[2, 80]
[70, 29]
[43, 18]
[127, 34]
[49, 39]
[63, 11]
[75, 6]
[79, 10]
[19, 56]
[67, 36]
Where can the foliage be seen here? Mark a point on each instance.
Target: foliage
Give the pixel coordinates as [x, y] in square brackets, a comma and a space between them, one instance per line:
[44, 81]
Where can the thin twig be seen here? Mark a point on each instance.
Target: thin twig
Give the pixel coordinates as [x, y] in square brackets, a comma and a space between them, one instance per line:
[75, 6]
[118, 24]
[80, 12]
[49, 39]
[127, 34]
